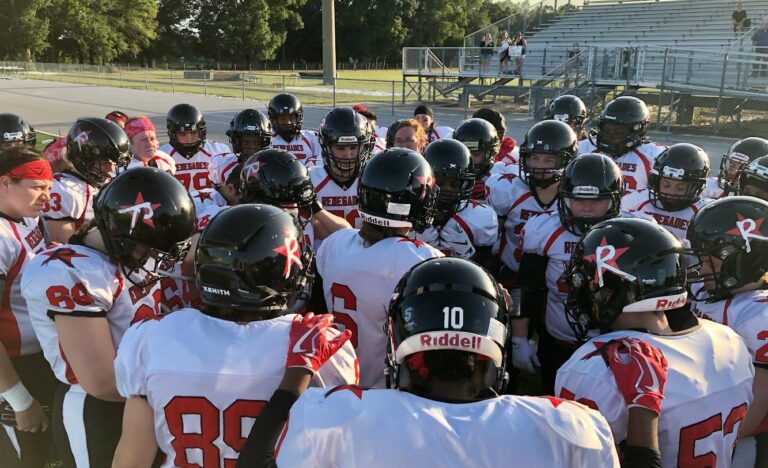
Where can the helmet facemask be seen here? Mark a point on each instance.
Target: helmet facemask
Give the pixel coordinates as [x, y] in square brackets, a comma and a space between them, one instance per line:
[731, 166]
[541, 177]
[616, 139]
[579, 225]
[672, 192]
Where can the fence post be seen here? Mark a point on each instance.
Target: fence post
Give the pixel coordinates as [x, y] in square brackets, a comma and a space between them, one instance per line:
[242, 85]
[173, 83]
[720, 94]
[42, 69]
[663, 80]
[146, 80]
[205, 82]
[98, 75]
[284, 83]
[334, 93]
[393, 98]
[402, 96]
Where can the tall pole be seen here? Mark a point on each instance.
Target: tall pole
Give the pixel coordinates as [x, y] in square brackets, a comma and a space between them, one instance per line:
[329, 43]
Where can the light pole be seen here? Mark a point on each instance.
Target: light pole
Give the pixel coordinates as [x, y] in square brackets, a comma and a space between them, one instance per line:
[329, 43]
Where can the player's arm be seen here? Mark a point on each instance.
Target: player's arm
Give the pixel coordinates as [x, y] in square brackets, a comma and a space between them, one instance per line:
[532, 299]
[759, 408]
[137, 447]
[59, 230]
[86, 341]
[29, 414]
[300, 366]
[324, 223]
[642, 443]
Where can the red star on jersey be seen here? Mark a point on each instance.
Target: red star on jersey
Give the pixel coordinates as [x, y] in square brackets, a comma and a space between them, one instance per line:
[204, 195]
[605, 257]
[290, 250]
[140, 207]
[416, 242]
[65, 254]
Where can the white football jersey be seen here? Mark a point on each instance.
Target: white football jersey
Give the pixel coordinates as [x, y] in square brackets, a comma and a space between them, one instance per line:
[71, 200]
[511, 198]
[438, 133]
[208, 203]
[335, 428]
[358, 281]
[210, 377]
[334, 198]
[747, 314]
[509, 152]
[19, 242]
[505, 167]
[635, 164]
[476, 225]
[192, 172]
[675, 222]
[220, 167]
[160, 160]
[304, 146]
[77, 280]
[546, 236]
[712, 189]
[708, 389]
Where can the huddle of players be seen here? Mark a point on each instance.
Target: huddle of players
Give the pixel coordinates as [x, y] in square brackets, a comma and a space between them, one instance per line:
[674, 390]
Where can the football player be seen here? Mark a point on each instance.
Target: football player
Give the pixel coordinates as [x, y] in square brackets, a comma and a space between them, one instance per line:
[730, 244]
[190, 149]
[446, 329]
[733, 162]
[589, 193]
[346, 143]
[462, 227]
[426, 118]
[571, 110]
[548, 147]
[622, 135]
[26, 381]
[673, 196]
[84, 295]
[249, 131]
[218, 363]
[753, 180]
[409, 134]
[145, 147]
[391, 130]
[96, 148]
[287, 116]
[509, 153]
[480, 137]
[379, 133]
[118, 117]
[624, 275]
[360, 268]
[15, 131]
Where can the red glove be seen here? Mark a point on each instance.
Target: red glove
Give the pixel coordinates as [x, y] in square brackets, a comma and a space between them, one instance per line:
[640, 371]
[313, 341]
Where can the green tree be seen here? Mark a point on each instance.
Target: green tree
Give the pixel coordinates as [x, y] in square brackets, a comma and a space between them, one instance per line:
[24, 37]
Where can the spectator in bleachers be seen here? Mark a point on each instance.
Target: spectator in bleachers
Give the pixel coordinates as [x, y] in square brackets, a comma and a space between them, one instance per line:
[517, 51]
[739, 19]
[760, 41]
[504, 41]
[486, 52]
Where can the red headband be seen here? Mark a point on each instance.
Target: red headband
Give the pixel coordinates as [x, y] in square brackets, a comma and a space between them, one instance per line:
[137, 125]
[39, 169]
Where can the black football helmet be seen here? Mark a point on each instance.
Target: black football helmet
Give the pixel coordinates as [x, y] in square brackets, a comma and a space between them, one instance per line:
[590, 176]
[276, 177]
[493, 116]
[549, 137]
[391, 130]
[447, 304]
[145, 210]
[15, 130]
[252, 123]
[286, 104]
[682, 162]
[739, 155]
[623, 265]
[732, 230]
[480, 137]
[344, 127]
[397, 189]
[569, 109]
[630, 113]
[753, 180]
[251, 260]
[184, 118]
[452, 166]
[93, 140]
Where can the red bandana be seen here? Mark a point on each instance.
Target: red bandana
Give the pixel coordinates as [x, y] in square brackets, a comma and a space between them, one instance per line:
[39, 169]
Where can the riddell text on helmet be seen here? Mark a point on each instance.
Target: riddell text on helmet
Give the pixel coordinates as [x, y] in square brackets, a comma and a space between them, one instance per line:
[450, 339]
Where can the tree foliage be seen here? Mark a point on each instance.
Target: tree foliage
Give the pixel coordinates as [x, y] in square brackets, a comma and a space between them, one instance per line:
[26, 29]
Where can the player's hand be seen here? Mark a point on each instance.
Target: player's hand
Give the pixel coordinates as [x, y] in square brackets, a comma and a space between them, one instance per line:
[313, 341]
[523, 355]
[640, 371]
[32, 419]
